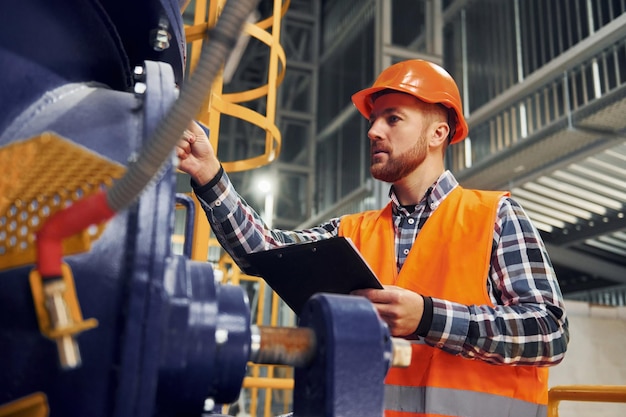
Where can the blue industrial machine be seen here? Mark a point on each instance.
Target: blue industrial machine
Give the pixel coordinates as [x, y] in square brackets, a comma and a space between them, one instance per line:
[97, 316]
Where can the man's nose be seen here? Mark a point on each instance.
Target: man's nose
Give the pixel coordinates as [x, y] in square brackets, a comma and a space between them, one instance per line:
[374, 130]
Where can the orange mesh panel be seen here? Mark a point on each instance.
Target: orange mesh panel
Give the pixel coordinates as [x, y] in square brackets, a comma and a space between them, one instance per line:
[41, 176]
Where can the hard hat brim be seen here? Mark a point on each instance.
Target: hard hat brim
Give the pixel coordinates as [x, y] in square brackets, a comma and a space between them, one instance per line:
[362, 100]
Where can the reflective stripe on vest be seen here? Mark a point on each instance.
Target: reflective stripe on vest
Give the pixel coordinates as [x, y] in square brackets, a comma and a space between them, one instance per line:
[453, 402]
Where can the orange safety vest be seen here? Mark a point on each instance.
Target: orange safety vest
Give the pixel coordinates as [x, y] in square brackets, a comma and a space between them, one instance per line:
[449, 260]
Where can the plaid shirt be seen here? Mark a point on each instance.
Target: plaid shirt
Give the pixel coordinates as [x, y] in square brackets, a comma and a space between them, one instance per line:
[526, 326]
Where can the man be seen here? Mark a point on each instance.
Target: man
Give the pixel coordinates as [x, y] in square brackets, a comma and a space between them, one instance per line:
[466, 275]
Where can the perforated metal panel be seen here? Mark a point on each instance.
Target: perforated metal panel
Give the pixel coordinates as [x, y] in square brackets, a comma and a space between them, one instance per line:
[43, 175]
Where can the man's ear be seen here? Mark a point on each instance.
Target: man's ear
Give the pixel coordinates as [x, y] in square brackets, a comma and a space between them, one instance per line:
[440, 133]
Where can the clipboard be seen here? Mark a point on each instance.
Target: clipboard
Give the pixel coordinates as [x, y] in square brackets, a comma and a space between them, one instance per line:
[298, 271]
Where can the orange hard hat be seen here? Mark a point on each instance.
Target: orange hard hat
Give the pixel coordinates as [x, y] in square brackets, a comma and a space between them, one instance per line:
[424, 80]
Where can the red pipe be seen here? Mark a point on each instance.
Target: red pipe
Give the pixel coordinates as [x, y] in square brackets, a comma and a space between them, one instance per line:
[65, 223]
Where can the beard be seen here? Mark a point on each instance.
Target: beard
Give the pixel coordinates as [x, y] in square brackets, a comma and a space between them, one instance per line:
[398, 167]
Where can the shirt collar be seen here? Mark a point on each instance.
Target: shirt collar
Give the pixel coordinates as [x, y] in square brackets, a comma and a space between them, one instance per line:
[435, 194]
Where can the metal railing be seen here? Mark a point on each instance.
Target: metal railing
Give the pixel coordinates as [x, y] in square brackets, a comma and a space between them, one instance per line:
[267, 31]
[569, 82]
[587, 393]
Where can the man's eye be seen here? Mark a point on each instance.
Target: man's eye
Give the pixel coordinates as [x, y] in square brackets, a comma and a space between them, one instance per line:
[393, 119]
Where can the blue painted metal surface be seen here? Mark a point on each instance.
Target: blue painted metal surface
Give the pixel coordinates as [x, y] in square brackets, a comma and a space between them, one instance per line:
[190, 214]
[45, 45]
[66, 68]
[354, 353]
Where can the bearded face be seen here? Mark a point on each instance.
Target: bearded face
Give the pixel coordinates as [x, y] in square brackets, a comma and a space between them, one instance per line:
[389, 165]
[400, 128]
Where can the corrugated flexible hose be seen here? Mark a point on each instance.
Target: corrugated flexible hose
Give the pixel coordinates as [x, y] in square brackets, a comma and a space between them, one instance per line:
[154, 154]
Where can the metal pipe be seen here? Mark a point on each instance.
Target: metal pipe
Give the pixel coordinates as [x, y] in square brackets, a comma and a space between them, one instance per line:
[294, 346]
[297, 346]
[273, 383]
[593, 393]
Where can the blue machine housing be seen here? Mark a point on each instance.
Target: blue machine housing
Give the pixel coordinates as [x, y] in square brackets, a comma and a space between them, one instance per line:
[66, 68]
[44, 45]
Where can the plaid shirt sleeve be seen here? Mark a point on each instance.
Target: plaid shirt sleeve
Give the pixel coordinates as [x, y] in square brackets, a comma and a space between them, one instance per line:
[527, 325]
[240, 230]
